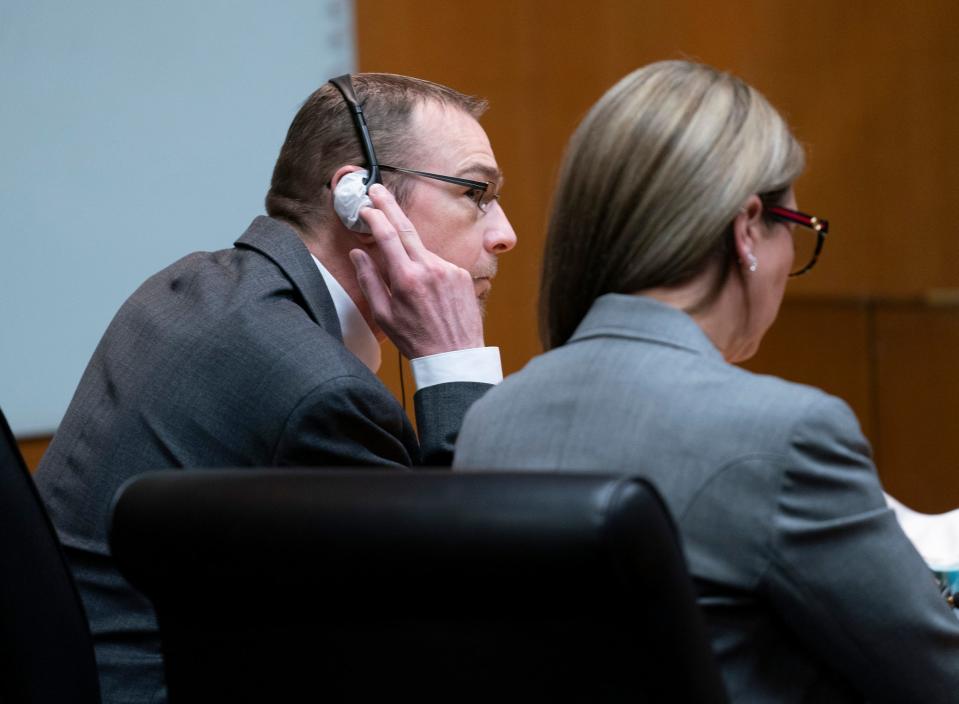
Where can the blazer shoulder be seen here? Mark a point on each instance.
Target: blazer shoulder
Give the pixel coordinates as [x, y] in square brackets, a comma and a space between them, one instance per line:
[781, 400]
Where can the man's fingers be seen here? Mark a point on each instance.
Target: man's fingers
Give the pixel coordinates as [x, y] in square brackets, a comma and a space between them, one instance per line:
[384, 201]
[424, 304]
[372, 285]
[387, 238]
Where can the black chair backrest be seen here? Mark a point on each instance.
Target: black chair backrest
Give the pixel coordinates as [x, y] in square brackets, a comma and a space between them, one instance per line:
[46, 653]
[434, 586]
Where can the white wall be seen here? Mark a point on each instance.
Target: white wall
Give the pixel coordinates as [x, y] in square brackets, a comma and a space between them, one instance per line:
[132, 133]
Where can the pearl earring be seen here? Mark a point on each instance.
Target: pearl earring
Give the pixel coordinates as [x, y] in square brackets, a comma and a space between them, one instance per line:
[753, 262]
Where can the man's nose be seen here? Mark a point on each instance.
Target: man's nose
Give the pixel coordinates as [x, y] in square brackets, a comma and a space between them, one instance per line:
[500, 237]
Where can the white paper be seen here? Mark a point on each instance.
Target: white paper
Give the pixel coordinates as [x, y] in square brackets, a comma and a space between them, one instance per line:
[936, 536]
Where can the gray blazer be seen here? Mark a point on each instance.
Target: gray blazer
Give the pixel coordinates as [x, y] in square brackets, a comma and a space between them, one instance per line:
[811, 591]
[224, 359]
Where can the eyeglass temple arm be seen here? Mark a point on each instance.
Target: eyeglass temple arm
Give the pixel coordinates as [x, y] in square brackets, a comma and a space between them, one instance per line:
[345, 85]
[482, 185]
[801, 218]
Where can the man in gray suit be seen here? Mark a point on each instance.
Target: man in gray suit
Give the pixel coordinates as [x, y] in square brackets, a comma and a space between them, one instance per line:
[265, 354]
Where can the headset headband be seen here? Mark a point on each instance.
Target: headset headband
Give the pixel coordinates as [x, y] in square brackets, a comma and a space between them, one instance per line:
[344, 84]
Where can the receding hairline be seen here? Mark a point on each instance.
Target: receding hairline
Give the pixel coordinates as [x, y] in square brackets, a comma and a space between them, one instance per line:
[422, 139]
[418, 90]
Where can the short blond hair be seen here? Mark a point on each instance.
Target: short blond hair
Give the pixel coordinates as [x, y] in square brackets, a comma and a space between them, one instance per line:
[651, 182]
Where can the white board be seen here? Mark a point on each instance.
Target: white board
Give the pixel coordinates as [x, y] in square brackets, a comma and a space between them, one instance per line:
[132, 133]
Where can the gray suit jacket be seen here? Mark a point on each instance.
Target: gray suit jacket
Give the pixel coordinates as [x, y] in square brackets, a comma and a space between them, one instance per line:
[811, 590]
[224, 359]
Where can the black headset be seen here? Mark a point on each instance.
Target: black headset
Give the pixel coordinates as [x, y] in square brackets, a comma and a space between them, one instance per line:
[344, 84]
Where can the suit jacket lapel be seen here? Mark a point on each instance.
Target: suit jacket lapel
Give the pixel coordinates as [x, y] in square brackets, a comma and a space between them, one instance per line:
[280, 243]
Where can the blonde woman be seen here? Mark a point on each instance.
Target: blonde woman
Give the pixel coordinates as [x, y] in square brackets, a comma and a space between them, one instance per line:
[672, 237]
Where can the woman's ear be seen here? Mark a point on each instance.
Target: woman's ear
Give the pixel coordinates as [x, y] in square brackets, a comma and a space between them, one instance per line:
[747, 229]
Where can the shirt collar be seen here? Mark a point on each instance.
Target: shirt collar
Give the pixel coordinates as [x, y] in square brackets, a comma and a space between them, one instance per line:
[357, 336]
[644, 318]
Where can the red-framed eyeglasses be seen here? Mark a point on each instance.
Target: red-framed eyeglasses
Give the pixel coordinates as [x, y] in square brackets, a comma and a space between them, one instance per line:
[807, 249]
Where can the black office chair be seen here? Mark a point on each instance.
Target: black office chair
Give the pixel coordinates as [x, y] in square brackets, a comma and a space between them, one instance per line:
[367, 585]
[46, 654]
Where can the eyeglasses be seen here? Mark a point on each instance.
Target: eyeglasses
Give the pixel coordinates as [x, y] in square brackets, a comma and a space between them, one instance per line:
[482, 193]
[807, 249]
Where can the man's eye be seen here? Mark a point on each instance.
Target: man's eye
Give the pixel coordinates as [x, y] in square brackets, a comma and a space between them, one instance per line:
[486, 201]
[482, 197]
[475, 194]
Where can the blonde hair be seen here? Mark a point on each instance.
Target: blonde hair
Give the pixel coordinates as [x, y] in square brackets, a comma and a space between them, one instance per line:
[650, 184]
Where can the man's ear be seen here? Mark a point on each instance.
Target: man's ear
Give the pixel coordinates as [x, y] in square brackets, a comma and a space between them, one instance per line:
[340, 173]
[747, 229]
[348, 191]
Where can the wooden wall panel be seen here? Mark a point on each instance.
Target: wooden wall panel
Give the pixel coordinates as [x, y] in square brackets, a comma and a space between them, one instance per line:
[918, 403]
[868, 85]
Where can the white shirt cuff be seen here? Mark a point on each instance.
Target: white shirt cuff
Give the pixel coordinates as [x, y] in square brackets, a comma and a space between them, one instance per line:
[480, 364]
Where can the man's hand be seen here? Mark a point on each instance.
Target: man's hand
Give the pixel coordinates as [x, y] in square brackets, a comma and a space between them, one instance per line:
[426, 305]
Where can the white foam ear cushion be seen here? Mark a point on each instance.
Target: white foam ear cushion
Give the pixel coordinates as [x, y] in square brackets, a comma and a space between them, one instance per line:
[349, 197]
